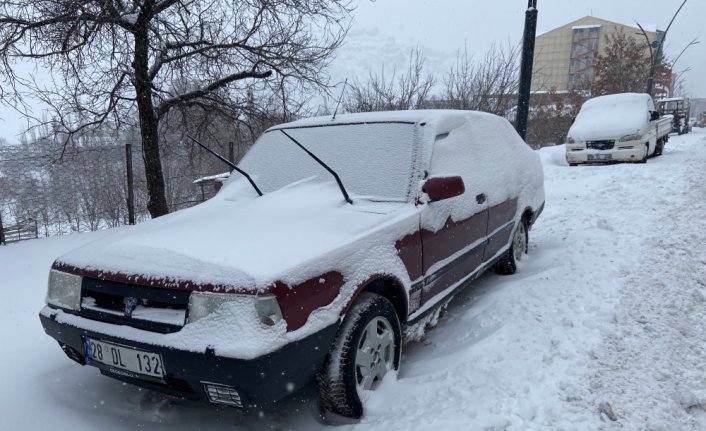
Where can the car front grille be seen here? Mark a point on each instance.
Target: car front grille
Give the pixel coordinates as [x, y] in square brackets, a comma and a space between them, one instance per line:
[150, 308]
[600, 145]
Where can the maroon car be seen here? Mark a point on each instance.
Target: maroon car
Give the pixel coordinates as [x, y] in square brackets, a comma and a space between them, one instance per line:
[345, 238]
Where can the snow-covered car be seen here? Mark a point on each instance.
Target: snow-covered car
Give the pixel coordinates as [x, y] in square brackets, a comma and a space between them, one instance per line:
[621, 127]
[347, 237]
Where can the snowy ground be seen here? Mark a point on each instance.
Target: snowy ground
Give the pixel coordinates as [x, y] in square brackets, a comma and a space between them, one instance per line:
[608, 309]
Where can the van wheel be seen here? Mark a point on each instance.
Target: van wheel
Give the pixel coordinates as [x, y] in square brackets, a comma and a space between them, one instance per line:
[659, 148]
[647, 152]
[508, 263]
[367, 347]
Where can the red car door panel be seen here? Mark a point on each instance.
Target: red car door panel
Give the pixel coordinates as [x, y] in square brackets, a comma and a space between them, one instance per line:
[500, 224]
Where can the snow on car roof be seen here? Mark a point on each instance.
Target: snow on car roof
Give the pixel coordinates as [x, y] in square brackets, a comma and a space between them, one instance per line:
[612, 100]
[612, 116]
[443, 119]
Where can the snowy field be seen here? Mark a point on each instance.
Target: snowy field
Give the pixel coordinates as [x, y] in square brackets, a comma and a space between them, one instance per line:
[605, 318]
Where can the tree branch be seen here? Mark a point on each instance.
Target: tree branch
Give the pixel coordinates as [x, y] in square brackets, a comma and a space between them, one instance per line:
[166, 105]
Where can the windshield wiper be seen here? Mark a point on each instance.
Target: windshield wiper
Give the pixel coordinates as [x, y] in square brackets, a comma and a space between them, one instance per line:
[325, 166]
[229, 163]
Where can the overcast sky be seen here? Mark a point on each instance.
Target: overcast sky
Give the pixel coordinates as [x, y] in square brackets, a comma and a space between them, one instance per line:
[384, 32]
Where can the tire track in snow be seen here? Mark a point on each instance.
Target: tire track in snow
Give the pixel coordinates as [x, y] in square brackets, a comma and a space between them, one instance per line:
[651, 368]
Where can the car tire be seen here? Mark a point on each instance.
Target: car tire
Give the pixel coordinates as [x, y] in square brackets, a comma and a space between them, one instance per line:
[573, 164]
[367, 347]
[659, 148]
[508, 262]
[647, 152]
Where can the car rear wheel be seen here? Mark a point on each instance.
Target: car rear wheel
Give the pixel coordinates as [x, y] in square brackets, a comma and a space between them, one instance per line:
[367, 347]
[660, 147]
[508, 263]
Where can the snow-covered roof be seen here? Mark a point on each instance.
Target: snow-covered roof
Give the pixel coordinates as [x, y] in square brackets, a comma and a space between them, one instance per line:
[671, 99]
[649, 27]
[415, 116]
[211, 178]
[612, 100]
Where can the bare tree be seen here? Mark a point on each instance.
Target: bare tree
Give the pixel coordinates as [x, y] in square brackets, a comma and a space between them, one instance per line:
[489, 85]
[408, 91]
[116, 60]
[551, 115]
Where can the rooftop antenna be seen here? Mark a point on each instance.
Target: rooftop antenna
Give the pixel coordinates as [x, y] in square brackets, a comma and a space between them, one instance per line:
[339, 100]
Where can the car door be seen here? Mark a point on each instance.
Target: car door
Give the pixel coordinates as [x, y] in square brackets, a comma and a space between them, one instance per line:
[453, 231]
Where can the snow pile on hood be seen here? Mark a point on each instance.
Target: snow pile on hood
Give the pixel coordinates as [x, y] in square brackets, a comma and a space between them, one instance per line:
[237, 239]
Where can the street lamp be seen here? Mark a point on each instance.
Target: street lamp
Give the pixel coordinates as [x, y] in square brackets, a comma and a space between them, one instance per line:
[693, 42]
[675, 75]
[655, 55]
[677, 80]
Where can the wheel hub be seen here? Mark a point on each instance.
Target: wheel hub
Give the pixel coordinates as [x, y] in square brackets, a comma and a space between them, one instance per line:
[375, 354]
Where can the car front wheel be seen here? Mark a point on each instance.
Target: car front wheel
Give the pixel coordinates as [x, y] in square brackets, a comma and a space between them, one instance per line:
[367, 347]
[647, 153]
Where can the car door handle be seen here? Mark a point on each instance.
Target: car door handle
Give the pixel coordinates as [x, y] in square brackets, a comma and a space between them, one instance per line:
[480, 198]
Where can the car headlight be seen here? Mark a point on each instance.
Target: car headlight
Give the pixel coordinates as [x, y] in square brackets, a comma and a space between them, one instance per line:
[633, 137]
[64, 290]
[201, 304]
[570, 140]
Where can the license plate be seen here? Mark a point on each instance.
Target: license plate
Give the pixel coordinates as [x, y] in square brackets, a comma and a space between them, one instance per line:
[600, 156]
[125, 358]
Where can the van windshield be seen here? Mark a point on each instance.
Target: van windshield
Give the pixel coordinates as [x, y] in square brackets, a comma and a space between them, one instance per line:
[373, 160]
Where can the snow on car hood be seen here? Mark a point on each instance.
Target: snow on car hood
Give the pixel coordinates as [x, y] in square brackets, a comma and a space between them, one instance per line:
[240, 240]
[611, 117]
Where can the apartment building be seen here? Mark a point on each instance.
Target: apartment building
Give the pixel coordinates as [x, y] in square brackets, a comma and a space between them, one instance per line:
[565, 57]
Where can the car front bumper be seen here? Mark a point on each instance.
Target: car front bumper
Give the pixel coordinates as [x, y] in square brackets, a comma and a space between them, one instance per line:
[258, 381]
[632, 151]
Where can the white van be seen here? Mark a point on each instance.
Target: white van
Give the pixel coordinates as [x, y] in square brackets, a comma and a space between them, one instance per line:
[621, 127]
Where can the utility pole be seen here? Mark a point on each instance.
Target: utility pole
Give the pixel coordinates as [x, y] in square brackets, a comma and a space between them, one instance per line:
[526, 68]
[2, 231]
[130, 190]
[231, 152]
[657, 54]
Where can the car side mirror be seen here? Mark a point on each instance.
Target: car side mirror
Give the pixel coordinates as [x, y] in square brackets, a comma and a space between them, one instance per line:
[440, 188]
[654, 115]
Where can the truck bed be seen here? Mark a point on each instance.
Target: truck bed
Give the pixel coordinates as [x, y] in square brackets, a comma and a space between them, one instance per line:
[664, 125]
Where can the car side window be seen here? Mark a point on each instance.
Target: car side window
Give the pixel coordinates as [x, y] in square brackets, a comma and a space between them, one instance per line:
[481, 151]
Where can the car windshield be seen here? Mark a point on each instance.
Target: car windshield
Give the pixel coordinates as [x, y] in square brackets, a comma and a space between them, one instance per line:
[373, 160]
